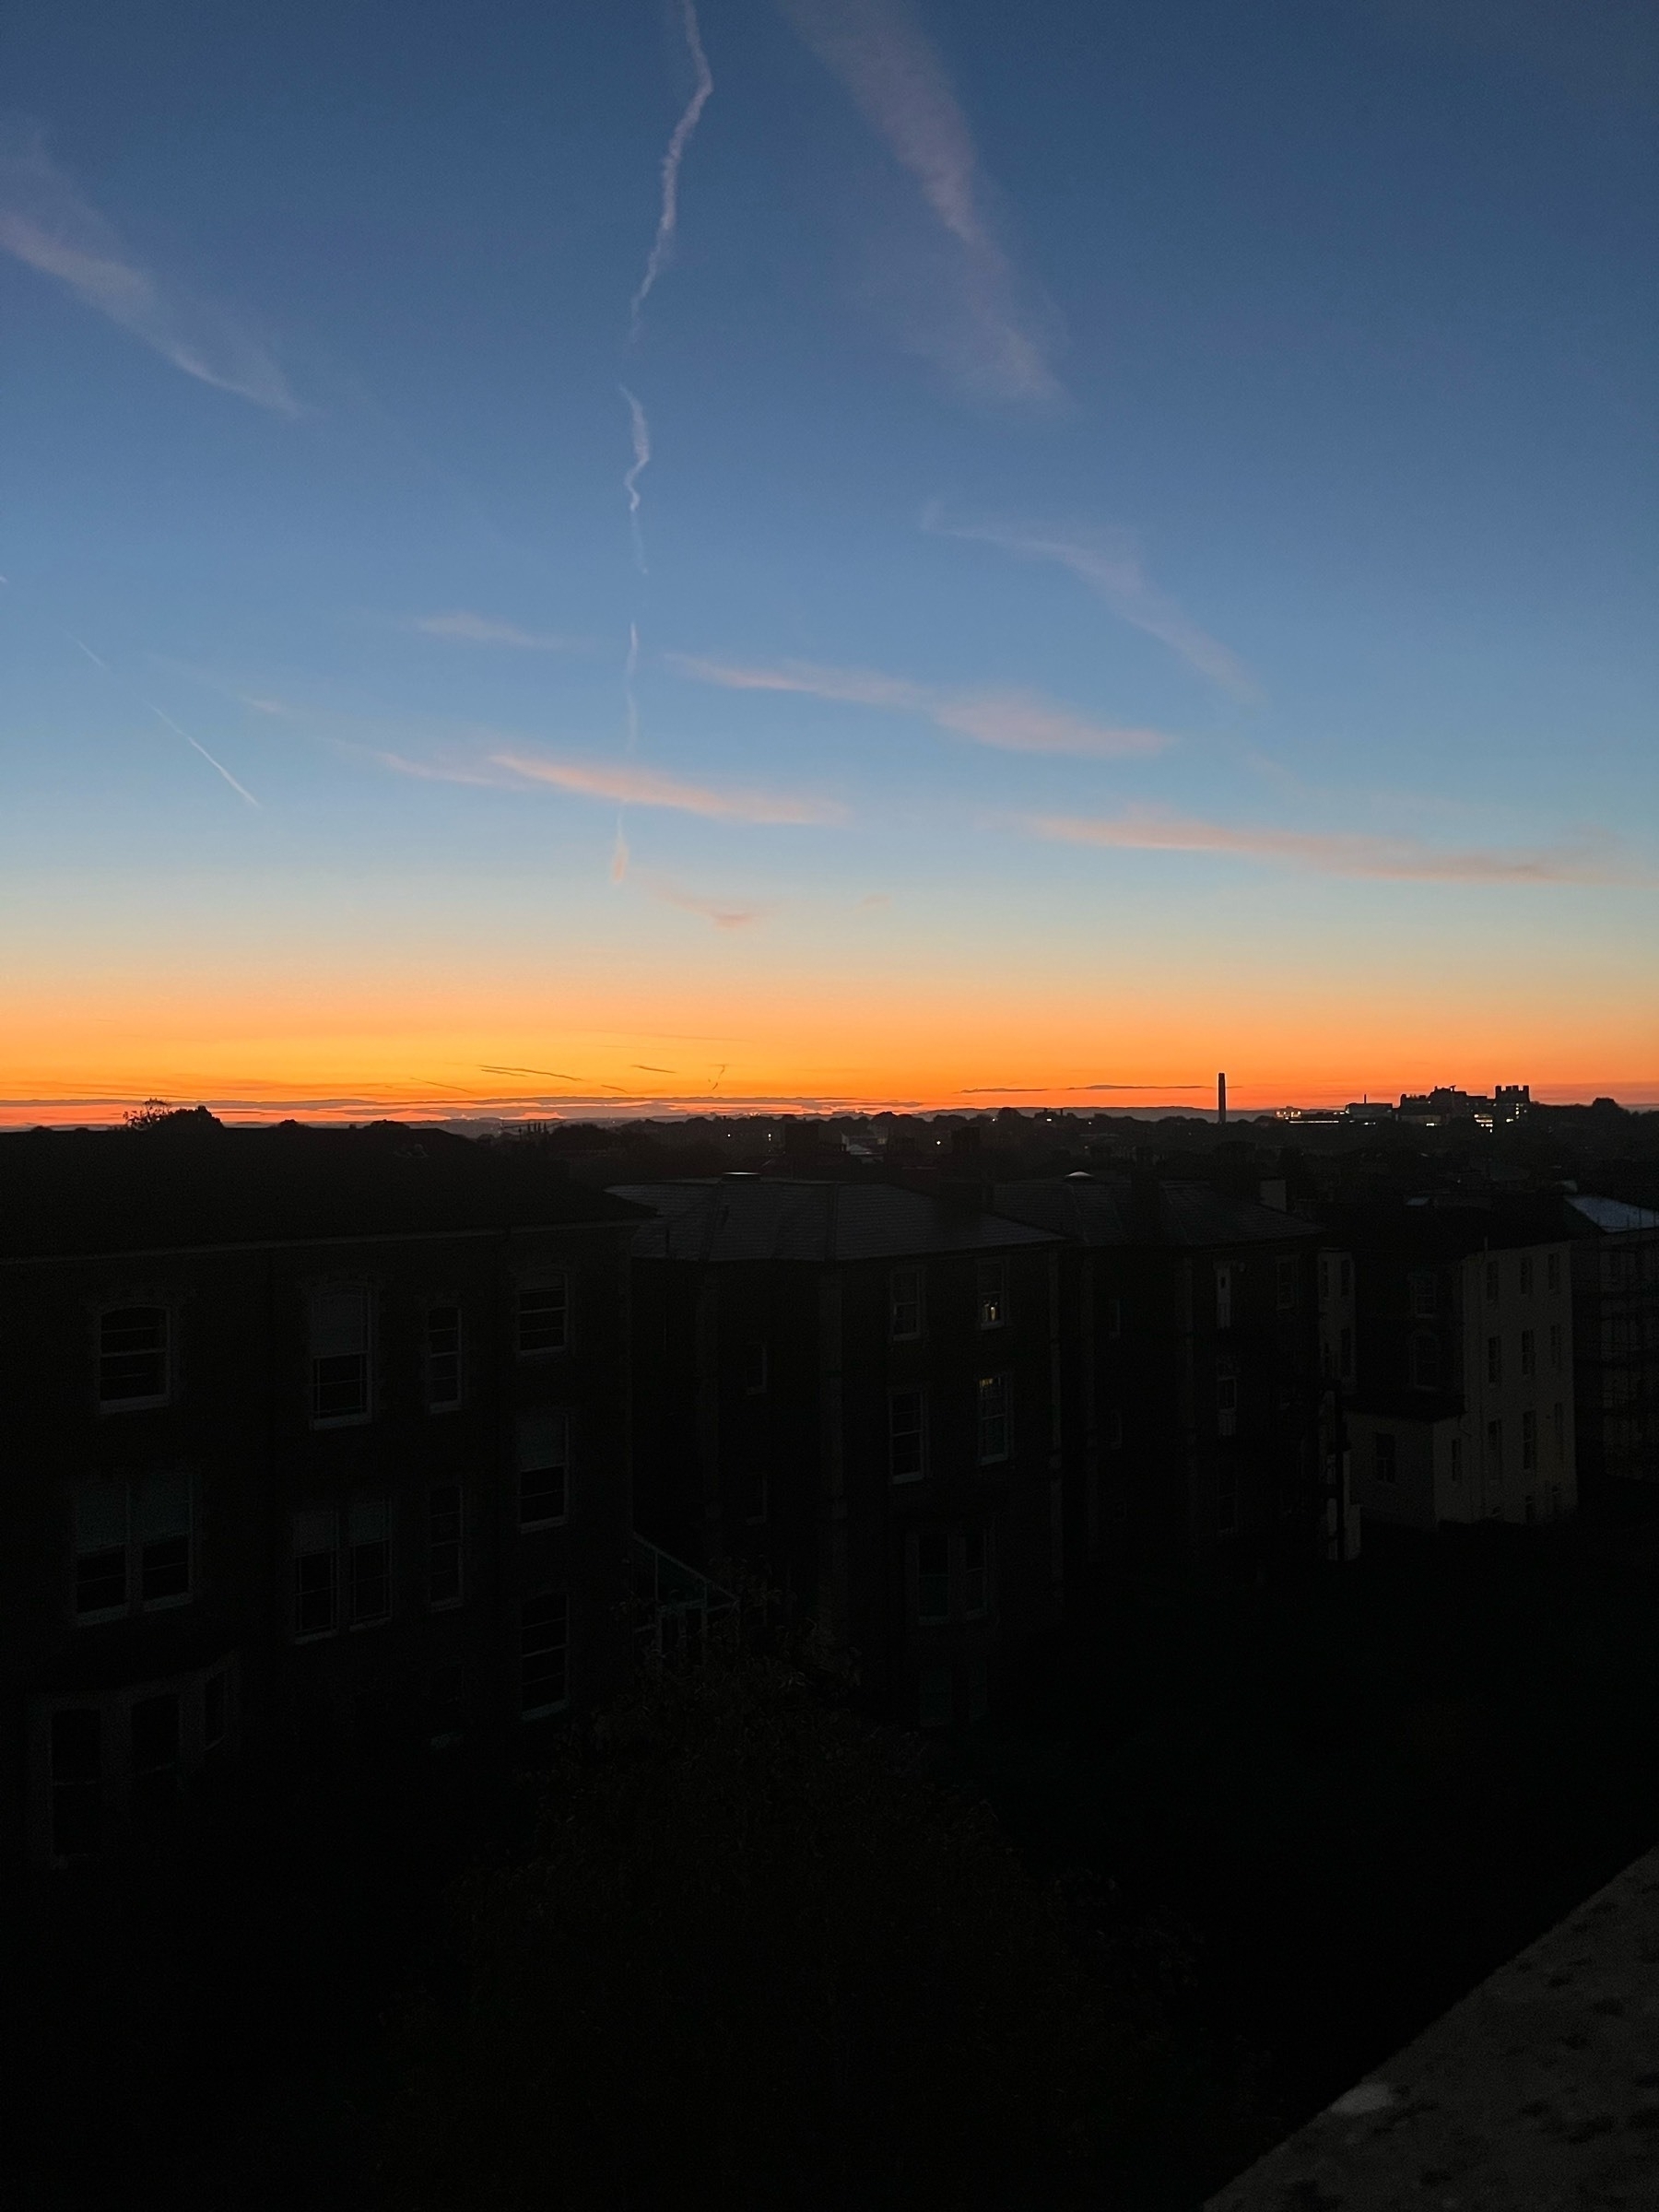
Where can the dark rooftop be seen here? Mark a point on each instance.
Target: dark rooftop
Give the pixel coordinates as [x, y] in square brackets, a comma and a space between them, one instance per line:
[773, 1218]
[1124, 1209]
[199, 1183]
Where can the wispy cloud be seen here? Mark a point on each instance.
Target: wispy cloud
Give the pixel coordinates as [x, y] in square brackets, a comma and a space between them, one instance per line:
[898, 83]
[640, 430]
[661, 245]
[1340, 853]
[625, 784]
[45, 222]
[620, 853]
[463, 628]
[721, 913]
[1111, 566]
[1012, 722]
[438, 771]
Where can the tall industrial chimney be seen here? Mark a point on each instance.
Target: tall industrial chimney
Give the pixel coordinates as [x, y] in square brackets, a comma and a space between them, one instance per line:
[1220, 1101]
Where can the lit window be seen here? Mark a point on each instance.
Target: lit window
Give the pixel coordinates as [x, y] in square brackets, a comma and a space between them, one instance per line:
[904, 1302]
[544, 1447]
[993, 1294]
[543, 1318]
[368, 1560]
[442, 1358]
[316, 1540]
[906, 1438]
[132, 1358]
[976, 1575]
[993, 1428]
[544, 1654]
[932, 1577]
[339, 1352]
[444, 1545]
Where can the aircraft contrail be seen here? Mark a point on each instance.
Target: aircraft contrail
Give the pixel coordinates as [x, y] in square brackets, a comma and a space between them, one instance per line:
[630, 482]
[241, 790]
[661, 246]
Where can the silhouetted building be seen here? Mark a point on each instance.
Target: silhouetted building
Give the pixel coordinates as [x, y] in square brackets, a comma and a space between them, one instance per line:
[1192, 1394]
[848, 1389]
[1463, 1404]
[318, 1430]
[1615, 1342]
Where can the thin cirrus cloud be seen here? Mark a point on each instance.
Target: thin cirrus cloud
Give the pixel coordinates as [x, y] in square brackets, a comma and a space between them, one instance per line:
[463, 628]
[723, 914]
[993, 339]
[1111, 566]
[1012, 722]
[1389, 859]
[45, 222]
[626, 785]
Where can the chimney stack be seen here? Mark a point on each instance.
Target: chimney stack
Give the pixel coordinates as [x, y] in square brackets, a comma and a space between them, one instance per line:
[1220, 1101]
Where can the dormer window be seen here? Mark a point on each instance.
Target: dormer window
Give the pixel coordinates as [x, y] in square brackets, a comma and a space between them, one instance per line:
[133, 1358]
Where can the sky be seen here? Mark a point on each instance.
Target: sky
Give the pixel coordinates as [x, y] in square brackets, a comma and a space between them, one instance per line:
[618, 556]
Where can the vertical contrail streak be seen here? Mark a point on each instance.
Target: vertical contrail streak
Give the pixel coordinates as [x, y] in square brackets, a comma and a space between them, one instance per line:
[661, 246]
[630, 668]
[630, 482]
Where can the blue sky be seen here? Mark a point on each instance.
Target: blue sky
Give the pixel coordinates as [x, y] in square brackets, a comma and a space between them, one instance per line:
[1149, 508]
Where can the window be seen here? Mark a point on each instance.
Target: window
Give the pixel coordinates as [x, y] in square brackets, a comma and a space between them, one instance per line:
[933, 1576]
[339, 1350]
[1494, 1359]
[756, 1488]
[446, 1705]
[1344, 1356]
[543, 1468]
[544, 1654]
[1226, 1404]
[1558, 1425]
[1494, 1440]
[1346, 1272]
[543, 1317]
[1457, 1459]
[1226, 1501]
[906, 1437]
[976, 1575]
[904, 1304]
[442, 1358]
[1555, 1345]
[1287, 1286]
[1526, 1278]
[993, 1294]
[1424, 1290]
[1529, 1352]
[1425, 1361]
[77, 1782]
[993, 1424]
[1492, 1281]
[1224, 1296]
[935, 1698]
[316, 1538]
[132, 1358]
[1529, 1441]
[368, 1560]
[132, 1545]
[154, 1744]
[1325, 1278]
[1384, 1463]
[1552, 1270]
[755, 1370]
[444, 1545]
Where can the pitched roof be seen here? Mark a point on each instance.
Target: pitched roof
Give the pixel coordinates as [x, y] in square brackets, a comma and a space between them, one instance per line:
[1122, 1209]
[1613, 1217]
[83, 1191]
[776, 1217]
